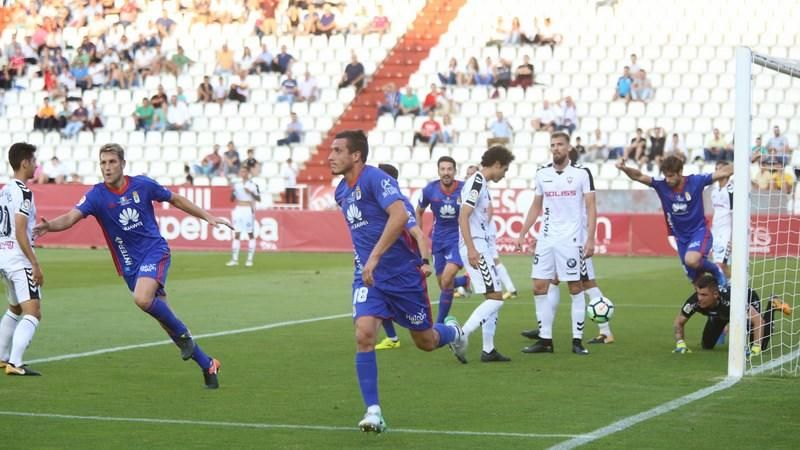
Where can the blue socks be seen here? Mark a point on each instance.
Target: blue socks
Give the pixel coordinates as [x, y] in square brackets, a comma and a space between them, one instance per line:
[445, 302]
[367, 371]
[199, 356]
[709, 266]
[462, 281]
[388, 326]
[162, 313]
[447, 334]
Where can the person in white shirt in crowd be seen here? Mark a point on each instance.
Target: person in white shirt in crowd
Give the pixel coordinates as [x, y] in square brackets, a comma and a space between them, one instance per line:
[220, 91]
[307, 89]
[545, 118]
[52, 172]
[598, 146]
[178, 117]
[289, 174]
[568, 119]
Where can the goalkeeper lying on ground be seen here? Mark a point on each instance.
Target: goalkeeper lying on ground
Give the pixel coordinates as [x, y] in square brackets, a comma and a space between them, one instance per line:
[709, 301]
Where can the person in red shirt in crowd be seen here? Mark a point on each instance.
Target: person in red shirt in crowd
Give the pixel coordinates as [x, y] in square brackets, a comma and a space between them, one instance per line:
[431, 100]
[428, 132]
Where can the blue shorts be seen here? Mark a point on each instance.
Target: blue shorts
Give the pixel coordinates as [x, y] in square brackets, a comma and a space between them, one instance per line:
[701, 241]
[404, 299]
[153, 265]
[448, 255]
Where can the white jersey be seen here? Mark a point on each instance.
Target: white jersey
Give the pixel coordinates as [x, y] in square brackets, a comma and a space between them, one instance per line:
[722, 201]
[241, 195]
[476, 194]
[563, 205]
[15, 198]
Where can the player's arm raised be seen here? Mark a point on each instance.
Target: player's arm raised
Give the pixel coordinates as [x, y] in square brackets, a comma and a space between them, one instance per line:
[395, 224]
[530, 219]
[21, 226]
[724, 171]
[634, 173]
[188, 207]
[60, 223]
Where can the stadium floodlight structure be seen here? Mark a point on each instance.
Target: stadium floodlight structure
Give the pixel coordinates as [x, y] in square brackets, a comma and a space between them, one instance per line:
[766, 229]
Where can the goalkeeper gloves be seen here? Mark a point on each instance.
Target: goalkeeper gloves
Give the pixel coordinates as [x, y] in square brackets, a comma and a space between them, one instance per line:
[755, 350]
[680, 347]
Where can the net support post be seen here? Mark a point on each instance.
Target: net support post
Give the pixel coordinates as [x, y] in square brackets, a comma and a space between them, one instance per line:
[737, 328]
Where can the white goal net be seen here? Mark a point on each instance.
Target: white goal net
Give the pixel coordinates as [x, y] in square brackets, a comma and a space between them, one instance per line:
[766, 232]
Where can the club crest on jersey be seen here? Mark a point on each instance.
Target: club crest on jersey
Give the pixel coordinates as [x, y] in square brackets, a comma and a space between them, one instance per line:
[569, 180]
[473, 196]
[688, 197]
[135, 197]
[388, 187]
[355, 195]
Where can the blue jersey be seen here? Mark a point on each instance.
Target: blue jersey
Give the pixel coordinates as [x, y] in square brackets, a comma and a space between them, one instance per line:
[445, 207]
[364, 207]
[683, 207]
[412, 222]
[128, 220]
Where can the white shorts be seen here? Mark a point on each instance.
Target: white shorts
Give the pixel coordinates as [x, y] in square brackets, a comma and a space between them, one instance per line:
[20, 286]
[587, 268]
[243, 219]
[484, 279]
[722, 247]
[556, 259]
[492, 244]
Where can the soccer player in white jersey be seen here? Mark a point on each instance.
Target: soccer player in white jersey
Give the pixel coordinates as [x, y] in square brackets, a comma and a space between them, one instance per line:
[722, 222]
[473, 245]
[245, 193]
[19, 268]
[563, 192]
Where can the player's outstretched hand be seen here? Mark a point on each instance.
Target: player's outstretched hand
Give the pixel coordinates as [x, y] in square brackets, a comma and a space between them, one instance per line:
[681, 347]
[217, 221]
[41, 229]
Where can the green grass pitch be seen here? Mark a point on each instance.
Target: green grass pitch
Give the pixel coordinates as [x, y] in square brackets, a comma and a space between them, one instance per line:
[293, 385]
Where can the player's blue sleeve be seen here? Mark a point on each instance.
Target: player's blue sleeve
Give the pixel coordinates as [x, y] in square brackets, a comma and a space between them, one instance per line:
[86, 204]
[412, 217]
[157, 192]
[385, 189]
[706, 178]
[424, 201]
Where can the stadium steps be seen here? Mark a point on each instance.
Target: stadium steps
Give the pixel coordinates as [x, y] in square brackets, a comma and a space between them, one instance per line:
[401, 62]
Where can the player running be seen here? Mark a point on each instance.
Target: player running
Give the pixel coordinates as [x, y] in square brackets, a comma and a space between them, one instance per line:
[391, 285]
[682, 201]
[19, 268]
[245, 193]
[473, 244]
[123, 207]
[563, 194]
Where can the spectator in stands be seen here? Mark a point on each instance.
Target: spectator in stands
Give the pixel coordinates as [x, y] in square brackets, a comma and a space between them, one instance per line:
[46, 117]
[451, 76]
[143, 115]
[159, 117]
[502, 76]
[63, 114]
[53, 172]
[264, 61]
[485, 76]
[180, 61]
[598, 147]
[502, 133]
[230, 161]
[307, 89]
[499, 33]
[28, 51]
[246, 62]
[428, 132]
[146, 62]
[780, 144]
[514, 35]
[580, 150]
[636, 150]
[310, 20]
[251, 162]
[97, 74]
[6, 77]
[205, 92]
[524, 75]
[289, 174]
[240, 91]
[288, 89]
[327, 21]
[225, 64]
[717, 148]
[774, 178]
[391, 100]
[634, 66]
[76, 121]
[448, 134]
[568, 119]
[759, 152]
[548, 34]
[471, 70]
[159, 98]
[165, 24]
[642, 88]
[128, 12]
[80, 72]
[294, 131]
[266, 24]
[623, 89]
[210, 164]
[353, 74]
[380, 23]
[674, 147]
[178, 116]
[658, 140]
[545, 118]
[409, 103]
[283, 61]
[220, 91]
[431, 102]
[294, 23]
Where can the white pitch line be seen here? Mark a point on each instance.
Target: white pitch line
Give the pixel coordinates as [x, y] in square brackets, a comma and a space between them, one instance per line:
[278, 426]
[199, 336]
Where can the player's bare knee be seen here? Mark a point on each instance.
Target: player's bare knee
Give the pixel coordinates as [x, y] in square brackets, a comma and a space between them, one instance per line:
[16, 309]
[143, 302]
[424, 341]
[575, 287]
[31, 308]
[540, 287]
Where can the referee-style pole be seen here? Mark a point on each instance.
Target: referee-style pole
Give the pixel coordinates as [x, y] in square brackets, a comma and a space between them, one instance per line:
[737, 328]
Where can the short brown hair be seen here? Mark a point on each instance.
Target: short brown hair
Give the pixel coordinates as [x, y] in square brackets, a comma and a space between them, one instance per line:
[19, 152]
[115, 149]
[671, 164]
[497, 153]
[560, 134]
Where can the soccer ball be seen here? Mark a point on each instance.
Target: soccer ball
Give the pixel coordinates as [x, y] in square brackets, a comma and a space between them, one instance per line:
[600, 309]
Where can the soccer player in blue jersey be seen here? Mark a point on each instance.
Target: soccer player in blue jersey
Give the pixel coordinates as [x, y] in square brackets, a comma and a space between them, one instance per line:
[682, 201]
[123, 207]
[444, 198]
[392, 285]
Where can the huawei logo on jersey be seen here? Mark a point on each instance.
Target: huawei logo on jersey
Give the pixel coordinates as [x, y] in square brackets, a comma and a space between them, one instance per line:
[447, 212]
[129, 219]
[561, 193]
[354, 217]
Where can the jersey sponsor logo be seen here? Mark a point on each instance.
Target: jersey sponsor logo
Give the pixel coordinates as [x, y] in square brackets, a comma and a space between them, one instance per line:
[147, 268]
[680, 208]
[7, 245]
[354, 217]
[26, 206]
[447, 212]
[694, 244]
[572, 263]
[473, 196]
[388, 188]
[418, 318]
[688, 308]
[135, 197]
[571, 193]
[129, 219]
[123, 251]
[124, 201]
[82, 200]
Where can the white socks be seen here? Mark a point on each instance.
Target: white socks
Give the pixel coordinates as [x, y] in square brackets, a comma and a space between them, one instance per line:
[23, 335]
[553, 298]
[489, 327]
[505, 278]
[605, 328]
[544, 314]
[7, 325]
[235, 246]
[578, 315]
[251, 249]
[481, 314]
